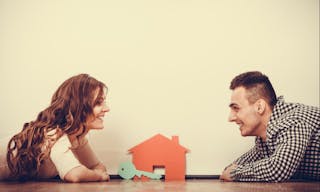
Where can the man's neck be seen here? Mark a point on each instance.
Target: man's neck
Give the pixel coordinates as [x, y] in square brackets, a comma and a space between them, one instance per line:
[264, 124]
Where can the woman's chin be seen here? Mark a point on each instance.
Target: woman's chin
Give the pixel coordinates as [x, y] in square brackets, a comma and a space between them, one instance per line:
[96, 127]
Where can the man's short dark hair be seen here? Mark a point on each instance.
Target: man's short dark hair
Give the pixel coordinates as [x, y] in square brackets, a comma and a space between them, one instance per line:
[257, 85]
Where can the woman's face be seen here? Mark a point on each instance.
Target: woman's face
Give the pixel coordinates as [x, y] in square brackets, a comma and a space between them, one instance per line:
[99, 110]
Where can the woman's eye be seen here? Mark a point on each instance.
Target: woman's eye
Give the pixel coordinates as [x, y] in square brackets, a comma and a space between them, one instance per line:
[101, 102]
[98, 102]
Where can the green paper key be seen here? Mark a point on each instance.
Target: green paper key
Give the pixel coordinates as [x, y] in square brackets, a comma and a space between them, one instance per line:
[127, 170]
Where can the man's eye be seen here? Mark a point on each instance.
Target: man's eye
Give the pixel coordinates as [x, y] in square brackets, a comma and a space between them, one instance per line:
[235, 108]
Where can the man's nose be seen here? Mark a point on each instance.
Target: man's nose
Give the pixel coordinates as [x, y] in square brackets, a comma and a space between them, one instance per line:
[231, 117]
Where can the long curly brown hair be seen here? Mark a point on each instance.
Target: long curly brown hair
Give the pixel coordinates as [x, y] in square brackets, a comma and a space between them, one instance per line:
[70, 106]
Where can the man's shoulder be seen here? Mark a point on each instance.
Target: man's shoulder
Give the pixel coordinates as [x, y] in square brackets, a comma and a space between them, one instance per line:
[302, 115]
[291, 116]
[294, 112]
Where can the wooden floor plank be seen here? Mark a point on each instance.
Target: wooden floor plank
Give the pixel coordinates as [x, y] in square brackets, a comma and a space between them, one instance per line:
[196, 185]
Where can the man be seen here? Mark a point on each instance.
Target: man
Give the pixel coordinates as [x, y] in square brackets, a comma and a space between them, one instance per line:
[287, 141]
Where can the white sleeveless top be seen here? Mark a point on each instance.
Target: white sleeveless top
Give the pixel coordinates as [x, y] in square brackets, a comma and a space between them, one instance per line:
[62, 159]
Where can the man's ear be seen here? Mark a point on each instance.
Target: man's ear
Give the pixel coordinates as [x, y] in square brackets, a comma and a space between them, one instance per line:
[260, 106]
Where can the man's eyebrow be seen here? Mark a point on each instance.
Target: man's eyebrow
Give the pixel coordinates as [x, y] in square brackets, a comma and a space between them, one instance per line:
[232, 105]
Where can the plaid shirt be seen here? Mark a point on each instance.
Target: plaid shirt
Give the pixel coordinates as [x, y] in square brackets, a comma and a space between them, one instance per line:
[292, 148]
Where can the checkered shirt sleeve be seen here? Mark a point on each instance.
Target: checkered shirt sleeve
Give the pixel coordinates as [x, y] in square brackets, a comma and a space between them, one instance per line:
[292, 147]
[252, 155]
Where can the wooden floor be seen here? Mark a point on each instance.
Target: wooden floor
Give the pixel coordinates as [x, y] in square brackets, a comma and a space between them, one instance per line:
[201, 185]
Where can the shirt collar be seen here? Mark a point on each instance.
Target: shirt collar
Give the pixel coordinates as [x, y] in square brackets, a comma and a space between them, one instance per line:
[277, 111]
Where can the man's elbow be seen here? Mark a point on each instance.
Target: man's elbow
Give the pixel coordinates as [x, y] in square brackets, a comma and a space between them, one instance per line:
[278, 178]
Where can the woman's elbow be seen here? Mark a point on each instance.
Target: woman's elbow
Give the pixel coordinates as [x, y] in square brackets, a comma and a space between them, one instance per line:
[71, 178]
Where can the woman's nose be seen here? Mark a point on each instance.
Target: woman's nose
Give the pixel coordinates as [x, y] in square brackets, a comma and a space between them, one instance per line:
[106, 108]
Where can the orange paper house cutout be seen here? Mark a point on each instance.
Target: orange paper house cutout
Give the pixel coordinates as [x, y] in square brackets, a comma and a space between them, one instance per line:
[161, 152]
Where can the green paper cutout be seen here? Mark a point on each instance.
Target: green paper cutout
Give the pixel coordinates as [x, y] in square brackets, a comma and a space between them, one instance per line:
[127, 170]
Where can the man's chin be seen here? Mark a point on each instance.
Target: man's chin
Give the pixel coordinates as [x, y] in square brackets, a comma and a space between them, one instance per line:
[243, 133]
[246, 134]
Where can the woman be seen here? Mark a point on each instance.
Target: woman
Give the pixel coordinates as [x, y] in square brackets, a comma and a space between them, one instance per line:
[56, 143]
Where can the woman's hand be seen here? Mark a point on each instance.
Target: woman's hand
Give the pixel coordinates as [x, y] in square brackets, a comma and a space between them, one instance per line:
[104, 175]
[102, 169]
[99, 166]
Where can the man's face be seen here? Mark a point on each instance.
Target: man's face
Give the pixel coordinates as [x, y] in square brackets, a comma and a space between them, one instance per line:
[243, 113]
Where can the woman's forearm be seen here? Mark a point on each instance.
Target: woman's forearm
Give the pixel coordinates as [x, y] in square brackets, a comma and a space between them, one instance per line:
[83, 174]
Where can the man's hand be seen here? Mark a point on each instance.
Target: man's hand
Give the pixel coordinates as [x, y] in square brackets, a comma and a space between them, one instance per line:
[225, 176]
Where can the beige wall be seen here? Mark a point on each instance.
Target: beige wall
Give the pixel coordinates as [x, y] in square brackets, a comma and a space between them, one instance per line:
[168, 65]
